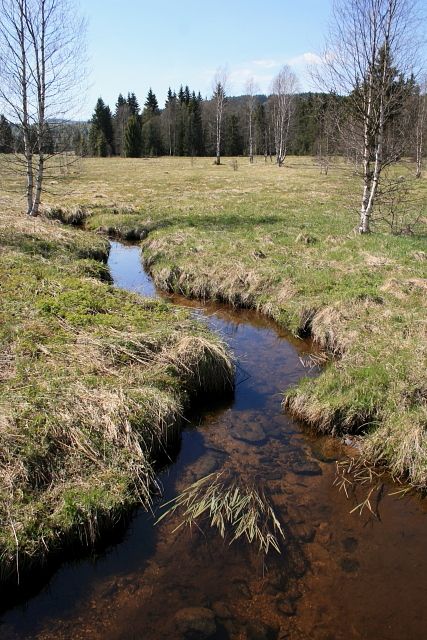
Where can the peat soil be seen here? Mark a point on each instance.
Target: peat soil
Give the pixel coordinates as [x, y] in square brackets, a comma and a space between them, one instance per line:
[339, 575]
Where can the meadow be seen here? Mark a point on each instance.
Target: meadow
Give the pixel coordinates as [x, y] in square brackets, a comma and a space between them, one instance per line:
[282, 241]
[285, 241]
[94, 381]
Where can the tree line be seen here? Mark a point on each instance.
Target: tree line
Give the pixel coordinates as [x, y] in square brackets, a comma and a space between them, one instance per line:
[186, 126]
[373, 110]
[285, 122]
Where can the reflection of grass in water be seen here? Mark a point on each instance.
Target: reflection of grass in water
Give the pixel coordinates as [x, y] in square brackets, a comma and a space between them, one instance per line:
[229, 505]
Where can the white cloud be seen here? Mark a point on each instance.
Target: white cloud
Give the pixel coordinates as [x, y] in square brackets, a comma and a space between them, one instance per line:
[266, 64]
[262, 71]
[307, 58]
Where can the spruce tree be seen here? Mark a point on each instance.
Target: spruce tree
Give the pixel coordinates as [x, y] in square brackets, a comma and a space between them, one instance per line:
[169, 117]
[196, 141]
[101, 145]
[79, 143]
[6, 136]
[233, 137]
[151, 138]
[102, 122]
[120, 102]
[261, 134]
[187, 95]
[133, 138]
[151, 105]
[48, 142]
[120, 120]
[133, 104]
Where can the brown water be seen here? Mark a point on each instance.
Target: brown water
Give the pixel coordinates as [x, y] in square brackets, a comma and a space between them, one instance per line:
[340, 575]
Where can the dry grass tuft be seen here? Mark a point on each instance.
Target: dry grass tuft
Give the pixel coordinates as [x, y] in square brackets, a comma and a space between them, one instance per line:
[75, 216]
[229, 504]
[95, 382]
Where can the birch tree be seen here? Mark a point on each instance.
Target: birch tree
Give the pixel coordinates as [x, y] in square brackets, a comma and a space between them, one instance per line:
[251, 90]
[41, 67]
[371, 50]
[420, 127]
[219, 98]
[284, 88]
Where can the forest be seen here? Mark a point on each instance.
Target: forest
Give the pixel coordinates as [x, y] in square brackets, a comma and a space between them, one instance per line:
[186, 126]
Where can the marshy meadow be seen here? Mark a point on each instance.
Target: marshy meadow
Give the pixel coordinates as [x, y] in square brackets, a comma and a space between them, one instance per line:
[213, 339]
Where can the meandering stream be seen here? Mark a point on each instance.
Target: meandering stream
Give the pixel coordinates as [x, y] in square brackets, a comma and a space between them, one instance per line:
[340, 575]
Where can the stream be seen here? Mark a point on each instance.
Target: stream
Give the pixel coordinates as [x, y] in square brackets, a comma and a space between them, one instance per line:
[340, 574]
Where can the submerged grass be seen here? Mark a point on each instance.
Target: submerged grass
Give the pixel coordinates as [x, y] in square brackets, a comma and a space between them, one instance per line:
[94, 383]
[228, 504]
[283, 241]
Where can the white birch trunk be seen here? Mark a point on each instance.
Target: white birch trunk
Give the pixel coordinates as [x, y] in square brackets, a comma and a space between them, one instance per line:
[28, 151]
[419, 135]
[251, 143]
[40, 68]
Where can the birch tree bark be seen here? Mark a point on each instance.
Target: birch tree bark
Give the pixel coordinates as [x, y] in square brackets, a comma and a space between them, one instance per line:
[251, 89]
[41, 73]
[219, 98]
[284, 87]
[420, 126]
[14, 84]
[370, 56]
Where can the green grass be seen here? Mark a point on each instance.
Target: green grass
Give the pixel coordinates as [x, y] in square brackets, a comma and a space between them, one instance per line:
[279, 240]
[284, 242]
[94, 382]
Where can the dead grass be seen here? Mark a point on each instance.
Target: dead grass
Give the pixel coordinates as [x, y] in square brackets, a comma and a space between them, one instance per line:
[228, 505]
[94, 384]
[284, 242]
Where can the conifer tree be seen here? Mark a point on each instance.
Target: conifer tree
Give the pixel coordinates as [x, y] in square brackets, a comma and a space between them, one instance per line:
[133, 138]
[219, 99]
[120, 102]
[101, 145]
[79, 143]
[133, 104]
[120, 120]
[102, 122]
[6, 136]
[151, 105]
[151, 129]
[151, 138]
[261, 130]
[169, 117]
[48, 142]
[196, 141]
[233, 137]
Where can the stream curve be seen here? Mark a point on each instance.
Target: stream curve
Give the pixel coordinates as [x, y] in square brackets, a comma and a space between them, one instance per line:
[340, 575]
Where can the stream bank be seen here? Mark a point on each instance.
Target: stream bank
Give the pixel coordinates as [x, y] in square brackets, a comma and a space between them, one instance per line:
[339, 575]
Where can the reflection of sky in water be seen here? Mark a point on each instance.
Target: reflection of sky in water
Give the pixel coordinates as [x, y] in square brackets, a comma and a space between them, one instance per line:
[127, 272]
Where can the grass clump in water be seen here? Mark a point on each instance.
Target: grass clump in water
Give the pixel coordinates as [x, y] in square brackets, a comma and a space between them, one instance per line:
[229, 505]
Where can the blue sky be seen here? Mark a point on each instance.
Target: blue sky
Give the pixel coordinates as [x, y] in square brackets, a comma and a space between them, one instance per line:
[135, 44]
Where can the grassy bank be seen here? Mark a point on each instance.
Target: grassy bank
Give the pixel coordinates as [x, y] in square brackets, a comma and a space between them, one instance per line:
[283, 241]
[94, 383]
